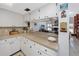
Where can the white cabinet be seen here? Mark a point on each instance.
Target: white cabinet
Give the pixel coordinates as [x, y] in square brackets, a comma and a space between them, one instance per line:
[29, 47]
[23, 46]
[14, 45]
[9, 46]
[46, 50]
[26, 47]
[39, 49]
[4, 48]
[35, 50]
[32, 48]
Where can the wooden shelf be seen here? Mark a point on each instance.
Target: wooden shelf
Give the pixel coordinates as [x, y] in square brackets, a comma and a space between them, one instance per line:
[76, 25]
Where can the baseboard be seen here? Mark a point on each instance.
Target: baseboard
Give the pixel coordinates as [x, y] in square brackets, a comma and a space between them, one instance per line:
[15, 53]
[23, 53]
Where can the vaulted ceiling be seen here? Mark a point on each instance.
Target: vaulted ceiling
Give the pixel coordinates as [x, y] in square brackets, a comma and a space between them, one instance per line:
[19, 7]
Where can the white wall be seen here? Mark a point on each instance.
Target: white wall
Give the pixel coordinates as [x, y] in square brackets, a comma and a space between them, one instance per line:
[47, 10]
[8, 18]
[71, 25]
[37, 27]
[63, 37]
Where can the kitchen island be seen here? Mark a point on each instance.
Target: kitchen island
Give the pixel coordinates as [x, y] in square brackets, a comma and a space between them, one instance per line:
[37, 37]
[42, 38]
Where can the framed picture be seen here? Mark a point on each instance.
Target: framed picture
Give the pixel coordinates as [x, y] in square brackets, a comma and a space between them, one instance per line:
[63, 27]
[64, 6]
[63, 14]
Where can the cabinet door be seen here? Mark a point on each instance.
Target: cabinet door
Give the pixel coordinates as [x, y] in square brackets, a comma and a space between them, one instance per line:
[34, 50]
[11, 45]
[46, 50]
[28, 47]
[23, 45]
[14, 45]
[31, 48]
[4, 48]
[22, 42]
[17, 44]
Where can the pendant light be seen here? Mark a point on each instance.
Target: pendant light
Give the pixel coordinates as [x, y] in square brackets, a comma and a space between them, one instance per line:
[27, 10]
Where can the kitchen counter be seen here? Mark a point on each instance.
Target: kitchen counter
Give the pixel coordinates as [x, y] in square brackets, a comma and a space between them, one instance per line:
[39, 37]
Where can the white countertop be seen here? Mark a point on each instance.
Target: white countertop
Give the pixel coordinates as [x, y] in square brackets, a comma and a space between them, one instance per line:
[40, 38]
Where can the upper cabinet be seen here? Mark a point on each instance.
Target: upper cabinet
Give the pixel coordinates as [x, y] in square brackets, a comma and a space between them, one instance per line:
[9, 19]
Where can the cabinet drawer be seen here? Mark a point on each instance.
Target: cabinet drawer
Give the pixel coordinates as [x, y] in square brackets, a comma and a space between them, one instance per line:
[42, 49]
[40, 53]
[4, 48]
[35, 51]
[46, 50]
[33, 48]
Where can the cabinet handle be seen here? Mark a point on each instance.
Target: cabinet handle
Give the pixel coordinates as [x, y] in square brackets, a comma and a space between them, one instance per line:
[34, 44]
[38, 51]
[46, 50]
[30, 46]
[27, 40]
[24, 42]
[5, 40]
[11, 42]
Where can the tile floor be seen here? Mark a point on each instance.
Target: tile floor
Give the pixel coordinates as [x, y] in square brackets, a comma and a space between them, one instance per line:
[74, 46]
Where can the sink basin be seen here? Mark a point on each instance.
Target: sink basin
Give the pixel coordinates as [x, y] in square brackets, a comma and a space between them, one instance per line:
[53, 39]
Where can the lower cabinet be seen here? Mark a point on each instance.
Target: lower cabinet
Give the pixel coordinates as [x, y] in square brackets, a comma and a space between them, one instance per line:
[25, 47]
[31, 48]
[4, 48]
[9, 46]
[14, 45]
[46, 50]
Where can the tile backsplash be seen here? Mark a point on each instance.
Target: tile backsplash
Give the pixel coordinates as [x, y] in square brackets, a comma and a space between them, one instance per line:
[6, 30]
